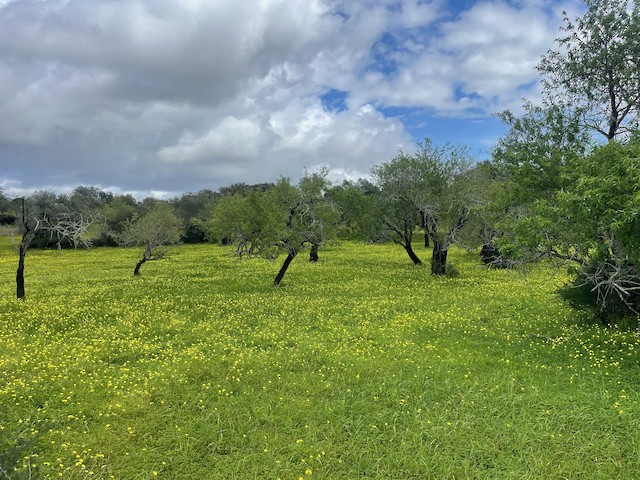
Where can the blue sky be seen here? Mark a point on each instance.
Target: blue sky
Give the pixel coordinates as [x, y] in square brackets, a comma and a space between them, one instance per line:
[164, 96]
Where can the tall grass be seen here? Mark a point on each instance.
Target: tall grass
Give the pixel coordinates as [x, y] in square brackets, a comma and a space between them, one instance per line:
[360, 366]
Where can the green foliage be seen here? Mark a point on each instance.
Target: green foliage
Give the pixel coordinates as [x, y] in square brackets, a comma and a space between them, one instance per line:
[154, 230]
[117, 214]
[283, 217]
[356, 203]
[193, 209]
[431, 186]
[254, 222]
[430, 189]
[594, 221]
[363, 367]
[595, 70]
[530, 165]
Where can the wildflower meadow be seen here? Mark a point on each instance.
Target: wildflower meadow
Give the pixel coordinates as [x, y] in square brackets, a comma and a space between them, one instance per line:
[359, 366]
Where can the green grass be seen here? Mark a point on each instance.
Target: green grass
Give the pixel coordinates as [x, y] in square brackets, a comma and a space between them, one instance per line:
[360, 366]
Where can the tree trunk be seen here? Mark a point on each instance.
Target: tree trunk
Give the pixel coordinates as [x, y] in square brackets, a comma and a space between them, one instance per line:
[412, 254]
[20, 294]
[490, 255]
[27, 236]
[136, 271]
[292, 254]
[438, 259]
[313, 255]
[426, 240]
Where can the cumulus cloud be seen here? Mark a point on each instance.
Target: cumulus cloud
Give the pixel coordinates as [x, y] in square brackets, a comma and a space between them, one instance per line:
[159, 95]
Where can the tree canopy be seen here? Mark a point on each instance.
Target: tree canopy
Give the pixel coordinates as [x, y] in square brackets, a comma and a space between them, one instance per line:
[595, 69]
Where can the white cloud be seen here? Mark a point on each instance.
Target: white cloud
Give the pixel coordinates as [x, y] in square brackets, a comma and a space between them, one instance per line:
[173, 96]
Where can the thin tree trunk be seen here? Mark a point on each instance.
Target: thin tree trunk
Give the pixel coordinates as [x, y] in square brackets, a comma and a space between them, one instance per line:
[145, 256]
[27, 236]
[20, 293]
[136, 271]
[438, 259]
[313, 255]
[412, 254]
[426, 240]
[292, 254]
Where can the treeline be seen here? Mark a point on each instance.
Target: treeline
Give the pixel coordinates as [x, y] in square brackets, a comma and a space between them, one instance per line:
[112, 212]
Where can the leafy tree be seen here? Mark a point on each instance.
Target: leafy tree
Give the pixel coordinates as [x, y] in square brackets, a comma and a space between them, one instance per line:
[7, 211]
[156, 229]
[193, 209]
[87, 199]
[242, 188]
[399, 181]
[595, 69]
[253, 222]
[430, 189]
[594, 222]
[116, 215]
[529, 164]
[491, 204]
[356, 203]
[285, 218]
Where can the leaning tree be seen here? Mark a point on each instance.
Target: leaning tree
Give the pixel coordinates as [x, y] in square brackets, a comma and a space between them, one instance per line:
[155, 230]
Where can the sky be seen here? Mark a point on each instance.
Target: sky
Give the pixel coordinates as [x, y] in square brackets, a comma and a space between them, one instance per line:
[161, 97]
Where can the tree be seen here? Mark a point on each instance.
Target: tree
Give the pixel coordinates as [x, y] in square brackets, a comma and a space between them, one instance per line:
[34, 217]
[7, 213]
[28, 228]
[429, 189]
[355, 202]
[158, 228]
[253, 222]
[87, 199]
[74, 228]
[116, 215]
[595, 70]
[401, 183]
[192, 209]
[530, 163]
[285, 218]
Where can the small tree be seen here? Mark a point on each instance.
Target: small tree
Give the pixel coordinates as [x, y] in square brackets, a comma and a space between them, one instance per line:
[158, 228]
[529, 167]
[73, 228]
[401, 183]
[595, 223]
[252, 221]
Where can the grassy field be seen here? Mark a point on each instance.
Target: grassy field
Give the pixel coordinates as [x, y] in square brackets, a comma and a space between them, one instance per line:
[360, 366]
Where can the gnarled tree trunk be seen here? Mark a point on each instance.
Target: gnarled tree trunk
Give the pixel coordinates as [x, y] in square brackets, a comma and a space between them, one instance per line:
[411, 253]
[20, 294]
[136, 271]
[146, 256]
[287, 261]
[313, 255]
[438, 259]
